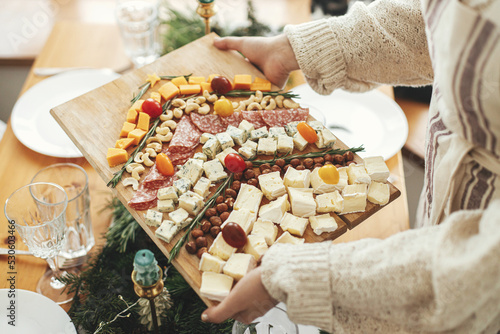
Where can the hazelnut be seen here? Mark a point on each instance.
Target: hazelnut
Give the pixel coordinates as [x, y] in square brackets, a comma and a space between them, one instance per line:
[328, 157]
[191, 247]
[224, 216]
[216, 221]
[229, 202]
[201, 242]
[219, 199]
[211, 212]
[253, 182]
[350, 162]
[249, 173]
[276, 168]
[319, 160]
[201, 251]
[338, 166]
[236, 186]
[249, 164]
[328, 163]
[205, 226]
[285, 168]
[214, 231]
[264, 166]
[338, 159]
[280, 162]
[231, 193]
[308, 162]
[238, 176]
[222, 207]
[266, 171]
[196, 233]
[318, 165]
[300, 167]
[348, 156]
[295, 162]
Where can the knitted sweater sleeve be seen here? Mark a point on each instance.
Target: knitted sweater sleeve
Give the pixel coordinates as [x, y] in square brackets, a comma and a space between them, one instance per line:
[435, 279]
[383, 43]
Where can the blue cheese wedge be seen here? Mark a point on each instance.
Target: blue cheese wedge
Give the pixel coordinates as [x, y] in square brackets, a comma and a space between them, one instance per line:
[200, 156]
[323, 223]
[191, 202]
[238, 265]
[354, 198]
[166, 205]
[249, 197]
[379, 193]
[297, 178]
[225, 140]
[191, 170]
[330, 202]
[242, 217]
[357, 174]
[167, 193]
[302, 201]
[211, 263]
[211, 148]
[153, 218]
[267, 229]
[377, 169]
[222, 155]
[246, 126]
[266, 146]
[299, 142]
[291, 128]
[285, 144]
[293, 224]
[249, 149]
[287, 238]
[214, 170]
[215, 286]
[325, 138]
[256, 246]
[262, 132]
[179, 217]
[319, 186]
[316, 125]
[277, 131]
[275, 210]
[238, 135]
[221, 249]
[202, 187]
[181, 186]
[167, 231]
[206, 137]
[272, 185]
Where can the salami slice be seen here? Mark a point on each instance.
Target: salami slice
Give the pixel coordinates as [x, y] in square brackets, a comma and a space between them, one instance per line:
[254, 117]
[144, 199]
[156, 180]
[186, 136]
[208, 123]
[281, 117]
[179, 158]
[234, 120]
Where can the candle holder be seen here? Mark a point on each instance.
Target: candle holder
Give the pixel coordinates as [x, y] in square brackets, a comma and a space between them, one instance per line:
[206, 9]
[149, 292]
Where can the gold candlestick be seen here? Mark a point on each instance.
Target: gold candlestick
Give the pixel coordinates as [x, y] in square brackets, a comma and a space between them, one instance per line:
[150, 292]
[206, 9]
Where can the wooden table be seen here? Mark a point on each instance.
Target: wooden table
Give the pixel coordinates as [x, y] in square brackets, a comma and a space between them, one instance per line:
[69, 45]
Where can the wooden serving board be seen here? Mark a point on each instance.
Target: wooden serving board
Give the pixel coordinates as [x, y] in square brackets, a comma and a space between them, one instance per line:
[94, 120]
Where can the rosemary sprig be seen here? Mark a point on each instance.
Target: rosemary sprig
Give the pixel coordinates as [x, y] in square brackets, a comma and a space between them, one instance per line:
[175, 250]
[170, 77]
[118, 175]
[288, 158]
[143, 88]
[244, 93]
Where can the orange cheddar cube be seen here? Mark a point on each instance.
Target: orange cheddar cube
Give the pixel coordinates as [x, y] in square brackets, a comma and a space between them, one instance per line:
[196, 80]
[155, 96]
[262, 86]
[242, 81]
[257, 79]
[116, 156]
[132, 116]
[137, 135]
[137, 105]
[190, 89]
[143, 121]
[168, 90]
[179, 81]
[127, 127]
[124, 143]
[211, 76]
[206, 86]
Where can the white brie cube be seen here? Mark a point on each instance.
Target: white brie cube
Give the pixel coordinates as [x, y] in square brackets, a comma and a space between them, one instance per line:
[302, 201]
[211, 263]
[285, 144]
[179, 217]
[211, 148]
[202, 187]
[191, 202]
[267, 229]
[167, 231]
[166, 205]
[330, 202]
[168, 193]
[377, 169]
[287, 238]
[242, 217]
[299, 142]
[351, 189]
[182, 185]
[246, 126]
[249, 197]
[215, 286]
[297, 178]
[266, 146]
[214, 170]
[206, 137]
[275, 210]
[220, 248]
[323, 223]
[200, 156]
[291, 128]
[222, 155]
[238, 265]
[354, 198]
[276, 131]
[153, 218]
[357, 174]
[293, 224]
[379, 193]
[191, 170]
[343, 179]
[256, 246]
[262, 132]
[319, 186]
[239, 136]
[225, 140]
[272, 185]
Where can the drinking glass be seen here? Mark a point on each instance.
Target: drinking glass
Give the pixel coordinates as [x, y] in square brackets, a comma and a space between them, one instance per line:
[78, 233]
[138, 22]
[275, 321]
[37, 212]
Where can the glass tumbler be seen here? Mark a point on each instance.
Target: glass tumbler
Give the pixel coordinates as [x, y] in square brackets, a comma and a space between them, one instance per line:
[79, 235]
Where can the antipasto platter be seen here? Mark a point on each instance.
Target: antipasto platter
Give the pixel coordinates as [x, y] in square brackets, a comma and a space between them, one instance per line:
[217, 166]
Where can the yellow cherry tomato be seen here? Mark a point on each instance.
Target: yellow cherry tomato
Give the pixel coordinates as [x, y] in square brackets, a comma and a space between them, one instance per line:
[329, 174]
[164, 165]
[223, 107]
[307, 132]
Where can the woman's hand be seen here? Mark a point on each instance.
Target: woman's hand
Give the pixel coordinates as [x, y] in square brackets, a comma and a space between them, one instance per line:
[247, 301]
[272, 55]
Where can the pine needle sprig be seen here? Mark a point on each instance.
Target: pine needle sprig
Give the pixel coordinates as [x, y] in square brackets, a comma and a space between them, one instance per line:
[245, 93]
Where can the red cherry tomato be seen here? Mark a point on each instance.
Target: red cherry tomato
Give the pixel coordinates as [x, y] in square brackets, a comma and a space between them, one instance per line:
[152, 108]
[234, 235]
[234, 163]
[164, 165]
[307, 132]
[221, 85]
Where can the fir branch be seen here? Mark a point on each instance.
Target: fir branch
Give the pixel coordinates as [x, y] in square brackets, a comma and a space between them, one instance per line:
[175, 250]
[124, 228]
[245, 93]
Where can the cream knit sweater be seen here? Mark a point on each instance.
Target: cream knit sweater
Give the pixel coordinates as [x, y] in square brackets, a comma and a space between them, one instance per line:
[444, 277]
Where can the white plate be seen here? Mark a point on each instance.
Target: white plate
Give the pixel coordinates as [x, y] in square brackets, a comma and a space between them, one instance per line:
[33, 313]
[370, 119]
[31, 120]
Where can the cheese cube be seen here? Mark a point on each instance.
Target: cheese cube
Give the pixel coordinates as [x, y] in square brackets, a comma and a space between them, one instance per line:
[275, 210]
[191, 202]
[211, 148]
[143, 121]
[211, 263]
[200, 156]
[299, 142]
[297, 178]
[206, 137]
[285, 144]
[379, 193]
[267, 229]
[214, 170]
[325, 138]
[153, 218]
[250, 144]
[323, 223]
[343, 179]
[239, 136]
[293, 224]
[166, 205]
[277, 131]
[168, 193]
[291, 128]
[249, 197]
[242, 217]
[246, 126]
[182, 186]
[215, 286]
[202, 187]
[302, 201]
[249, 149]
[238, 265]
[357, 174]
[330, 202]
[220, 248]
[377, 169]
[256, 246]
[191, 170]
[167, 231]
[225, 140]
[272, 185]
[179, 217]
[287, 238]
[319, 186]
[351, 189]
[255, 135]
[222, 155]
[354, 198]
[267, 146]
[316, 125]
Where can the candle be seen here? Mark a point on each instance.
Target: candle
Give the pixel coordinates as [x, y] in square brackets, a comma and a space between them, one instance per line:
[146, 267]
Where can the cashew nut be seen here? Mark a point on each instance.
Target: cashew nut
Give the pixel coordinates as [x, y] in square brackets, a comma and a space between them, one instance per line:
[258, 96]
[271, 105]
[163, 130]
[165, 138]
[130, 181]
[241, 107]
[191, 107]
[235, 104]
[210, 98]
[200, 99]
[135, 169]
[204, 109]
[179, 103]
[254, 106]
[191, 100]
[152, 140]
[265, 101]
[155, 146]
[169, 124]
[250, 100]
[288, 103]
[279, 101]
[168, 116]
[138, 158]
[147, 162]
[150, 152]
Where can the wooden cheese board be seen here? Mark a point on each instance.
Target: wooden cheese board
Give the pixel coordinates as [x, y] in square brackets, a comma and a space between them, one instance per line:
[93, 122]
